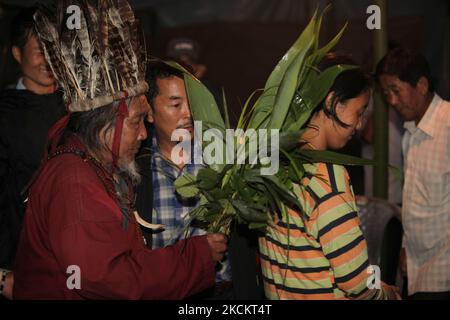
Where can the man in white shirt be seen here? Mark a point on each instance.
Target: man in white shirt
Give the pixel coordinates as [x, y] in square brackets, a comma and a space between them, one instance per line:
[406, 82]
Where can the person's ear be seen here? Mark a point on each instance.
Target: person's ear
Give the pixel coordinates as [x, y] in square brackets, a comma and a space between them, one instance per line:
[329, 100]
[17, 54]
[423, 85]
[150, 117]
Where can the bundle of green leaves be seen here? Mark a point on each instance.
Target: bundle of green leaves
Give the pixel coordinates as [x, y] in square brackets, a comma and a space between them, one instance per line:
[239, 192]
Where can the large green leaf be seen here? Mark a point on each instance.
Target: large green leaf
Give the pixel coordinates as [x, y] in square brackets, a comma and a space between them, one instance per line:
[207, 178]
[248, 213]
[244, 117]
[300, 110]
[261, 226]
[186, 186]
[293, 90]
[199, 213]
[289, 140]
[261, 115]
[318, 55]
[313, 92]
[227, 207]
[313, 156]
[288, 85]
[318, 26]
[225, 110]
[201, 101]
[295, 169]
[326, 156]
[286, 195]
[266, 102]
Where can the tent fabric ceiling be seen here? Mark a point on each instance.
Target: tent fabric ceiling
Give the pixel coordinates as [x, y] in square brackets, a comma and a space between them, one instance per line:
[173, 13]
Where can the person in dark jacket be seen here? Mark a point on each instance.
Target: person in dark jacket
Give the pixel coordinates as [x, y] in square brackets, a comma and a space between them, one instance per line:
[27, 111]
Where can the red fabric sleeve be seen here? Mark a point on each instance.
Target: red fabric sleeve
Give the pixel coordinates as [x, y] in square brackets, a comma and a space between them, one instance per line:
[84, 230]
[112, 270]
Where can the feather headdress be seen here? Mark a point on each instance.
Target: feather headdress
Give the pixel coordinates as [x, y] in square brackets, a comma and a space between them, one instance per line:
[101, 61]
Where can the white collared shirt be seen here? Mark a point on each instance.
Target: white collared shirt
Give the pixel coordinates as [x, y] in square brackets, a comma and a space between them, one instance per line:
[20, 85]
[426, 199]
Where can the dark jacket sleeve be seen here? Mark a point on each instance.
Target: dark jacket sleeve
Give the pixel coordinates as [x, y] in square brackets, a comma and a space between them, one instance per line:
[10, 206]
[5, 254]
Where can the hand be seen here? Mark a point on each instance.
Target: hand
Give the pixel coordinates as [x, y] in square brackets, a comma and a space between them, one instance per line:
[402, 262]
[8, 289]
[218, 245]
[392, 292]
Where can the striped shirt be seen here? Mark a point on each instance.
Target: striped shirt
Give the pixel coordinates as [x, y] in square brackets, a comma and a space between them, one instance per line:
[323, 254]
[426, 199]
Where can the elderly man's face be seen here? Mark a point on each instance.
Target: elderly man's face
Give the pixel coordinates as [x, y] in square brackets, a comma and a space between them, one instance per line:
[133, 131]
[404, 98]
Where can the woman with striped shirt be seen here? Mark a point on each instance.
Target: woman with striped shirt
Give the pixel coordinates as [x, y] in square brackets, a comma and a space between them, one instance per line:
[320, 252]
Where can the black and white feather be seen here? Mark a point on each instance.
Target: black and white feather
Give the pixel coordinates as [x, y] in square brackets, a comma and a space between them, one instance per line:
[98, 62]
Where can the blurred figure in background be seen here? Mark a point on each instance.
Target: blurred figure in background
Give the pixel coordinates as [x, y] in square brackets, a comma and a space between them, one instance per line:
[405, 78]
[186, 52]
[27, 111]
[395, 154]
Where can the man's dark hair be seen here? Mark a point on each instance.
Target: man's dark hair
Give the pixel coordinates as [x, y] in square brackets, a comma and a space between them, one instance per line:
[22, 27]
[348, 85]
[155, 71]
[407, 65]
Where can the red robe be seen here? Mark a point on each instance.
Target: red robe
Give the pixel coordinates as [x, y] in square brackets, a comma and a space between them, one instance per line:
[72, 221]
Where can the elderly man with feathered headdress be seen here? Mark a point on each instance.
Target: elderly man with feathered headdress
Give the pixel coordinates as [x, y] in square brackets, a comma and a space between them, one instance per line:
[81, 238]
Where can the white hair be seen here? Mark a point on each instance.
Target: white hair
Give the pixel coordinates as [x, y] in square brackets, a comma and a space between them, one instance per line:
[131, 168]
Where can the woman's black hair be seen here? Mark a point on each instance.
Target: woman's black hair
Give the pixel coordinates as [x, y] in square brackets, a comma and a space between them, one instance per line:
[348, 85]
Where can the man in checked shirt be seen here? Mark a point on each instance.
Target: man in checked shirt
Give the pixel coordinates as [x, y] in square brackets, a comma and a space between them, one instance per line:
[406, 82]
[170, 111]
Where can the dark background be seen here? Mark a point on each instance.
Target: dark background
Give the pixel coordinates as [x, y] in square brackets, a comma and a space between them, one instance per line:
[242, 40]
